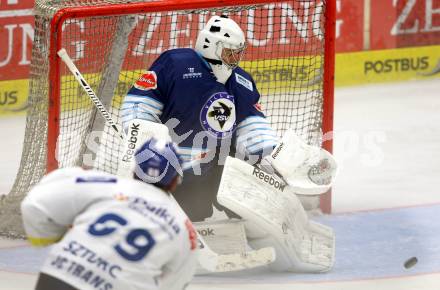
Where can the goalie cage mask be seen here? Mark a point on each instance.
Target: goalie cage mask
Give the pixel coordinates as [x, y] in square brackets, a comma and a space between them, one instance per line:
[221, 42]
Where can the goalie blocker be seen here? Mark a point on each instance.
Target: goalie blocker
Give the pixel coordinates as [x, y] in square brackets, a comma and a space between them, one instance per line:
[139, 131]
[274, 217]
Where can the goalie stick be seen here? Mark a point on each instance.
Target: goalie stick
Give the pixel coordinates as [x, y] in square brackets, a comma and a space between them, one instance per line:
[124, 166]
[208, 259]
[62, 53]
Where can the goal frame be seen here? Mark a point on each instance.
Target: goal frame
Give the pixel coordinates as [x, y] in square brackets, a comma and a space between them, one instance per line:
[54, 107]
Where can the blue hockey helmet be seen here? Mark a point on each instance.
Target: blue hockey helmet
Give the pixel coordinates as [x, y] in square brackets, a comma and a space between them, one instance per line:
[158, 162]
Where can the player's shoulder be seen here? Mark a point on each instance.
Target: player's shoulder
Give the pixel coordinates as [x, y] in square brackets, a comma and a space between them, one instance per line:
[241, 72]
[244, 81]
[62, 173]
[77, 175]
[244, 78]
[180, 55]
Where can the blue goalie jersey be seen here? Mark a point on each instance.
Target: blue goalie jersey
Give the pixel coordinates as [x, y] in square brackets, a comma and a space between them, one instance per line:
[205, 117]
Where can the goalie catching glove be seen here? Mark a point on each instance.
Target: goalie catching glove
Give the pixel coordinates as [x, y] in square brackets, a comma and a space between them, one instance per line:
[308, 170]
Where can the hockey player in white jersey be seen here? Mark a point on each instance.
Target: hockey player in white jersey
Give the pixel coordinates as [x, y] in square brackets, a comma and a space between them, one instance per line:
[111, 232]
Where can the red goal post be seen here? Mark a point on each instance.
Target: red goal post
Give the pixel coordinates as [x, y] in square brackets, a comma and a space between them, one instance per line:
[290, 55]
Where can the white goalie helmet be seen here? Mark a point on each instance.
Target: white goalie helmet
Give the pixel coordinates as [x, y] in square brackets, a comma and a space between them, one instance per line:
[222, 43]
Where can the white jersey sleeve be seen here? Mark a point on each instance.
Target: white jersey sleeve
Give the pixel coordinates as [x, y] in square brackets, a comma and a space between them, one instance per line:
[116, 233]
[51, 206]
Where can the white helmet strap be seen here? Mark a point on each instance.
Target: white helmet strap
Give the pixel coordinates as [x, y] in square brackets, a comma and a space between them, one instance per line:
[213, 61]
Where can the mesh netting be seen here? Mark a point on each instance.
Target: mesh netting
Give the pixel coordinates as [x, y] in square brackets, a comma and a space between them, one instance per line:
[285, 57]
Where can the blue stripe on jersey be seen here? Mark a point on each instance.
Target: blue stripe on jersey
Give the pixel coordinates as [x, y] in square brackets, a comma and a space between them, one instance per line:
[132, 115]
[255, 131]
[249, 143]
[252, 120]
[254, 134]
[96, 179]
[149, 109]
[130, 104]
[242, 126]
[139, 115]
[135, 112]
[141, 106]
[130, 98]
[256, 147]
[244, 129]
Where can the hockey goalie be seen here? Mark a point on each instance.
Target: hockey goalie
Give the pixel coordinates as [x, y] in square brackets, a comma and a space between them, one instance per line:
[205, 102]
[272, 215]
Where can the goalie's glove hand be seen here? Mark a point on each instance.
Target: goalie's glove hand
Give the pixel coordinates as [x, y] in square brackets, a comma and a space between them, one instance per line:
[308, 170]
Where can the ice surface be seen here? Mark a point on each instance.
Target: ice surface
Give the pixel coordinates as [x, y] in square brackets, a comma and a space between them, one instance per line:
[387, 142]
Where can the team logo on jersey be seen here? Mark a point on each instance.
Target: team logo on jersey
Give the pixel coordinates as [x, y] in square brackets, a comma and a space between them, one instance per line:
[191, 74]
[147, 81]
[218, 115]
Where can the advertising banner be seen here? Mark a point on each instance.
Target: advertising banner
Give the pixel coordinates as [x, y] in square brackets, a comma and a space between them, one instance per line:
[404, 23]
[387, 65]
[349, 25]
[361, 25]
[16, 34]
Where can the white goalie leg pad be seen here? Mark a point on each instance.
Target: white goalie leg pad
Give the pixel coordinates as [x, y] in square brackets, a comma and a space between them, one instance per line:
[309, 170]
[274, 217]
[223, 236]
[223, 248]
[138, 132]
